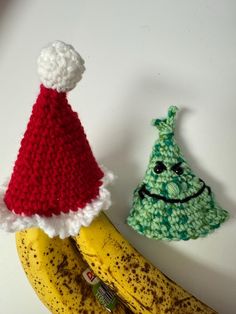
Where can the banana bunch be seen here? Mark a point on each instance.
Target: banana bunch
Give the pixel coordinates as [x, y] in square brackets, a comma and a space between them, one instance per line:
[144, 288]
[54, 268]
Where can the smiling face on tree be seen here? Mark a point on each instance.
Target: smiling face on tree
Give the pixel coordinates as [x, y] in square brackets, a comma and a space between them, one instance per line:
[171, 202]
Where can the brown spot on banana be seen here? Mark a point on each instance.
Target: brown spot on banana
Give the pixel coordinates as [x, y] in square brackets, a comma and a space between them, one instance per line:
[54, 267]
[104, 248]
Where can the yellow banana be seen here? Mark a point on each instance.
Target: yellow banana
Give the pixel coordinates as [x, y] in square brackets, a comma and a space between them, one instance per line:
[54, 269]
[136, 281]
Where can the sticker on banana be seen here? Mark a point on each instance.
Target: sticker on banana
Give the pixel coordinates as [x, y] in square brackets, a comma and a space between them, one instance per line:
[54, 269]
[143, 287]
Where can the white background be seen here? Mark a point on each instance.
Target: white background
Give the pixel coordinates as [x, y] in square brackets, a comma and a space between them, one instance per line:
[141, 56]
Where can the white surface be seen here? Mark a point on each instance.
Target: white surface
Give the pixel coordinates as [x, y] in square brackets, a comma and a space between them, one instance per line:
[141, 56]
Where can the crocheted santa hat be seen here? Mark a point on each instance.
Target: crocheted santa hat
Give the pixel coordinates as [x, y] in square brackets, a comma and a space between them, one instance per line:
[56, 183]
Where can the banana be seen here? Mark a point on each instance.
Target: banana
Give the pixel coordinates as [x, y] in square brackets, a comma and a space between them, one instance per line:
[54, 269]
[144, 288]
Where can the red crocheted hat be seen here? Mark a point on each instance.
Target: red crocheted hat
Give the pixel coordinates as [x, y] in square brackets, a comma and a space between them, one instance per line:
[56, 183]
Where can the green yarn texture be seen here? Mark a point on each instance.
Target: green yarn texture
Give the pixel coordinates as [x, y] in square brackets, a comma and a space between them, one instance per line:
[172, 203]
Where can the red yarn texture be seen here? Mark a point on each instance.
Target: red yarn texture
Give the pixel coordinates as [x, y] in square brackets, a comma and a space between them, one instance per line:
[55, 170]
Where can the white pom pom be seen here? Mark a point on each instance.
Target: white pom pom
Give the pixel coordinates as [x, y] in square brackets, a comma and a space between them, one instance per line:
[60, 67]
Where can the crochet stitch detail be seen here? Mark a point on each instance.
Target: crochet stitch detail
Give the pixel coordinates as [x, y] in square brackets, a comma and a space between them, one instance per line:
[171, 203]
[60, 67]
[63, 225]
[56, 184]
[55, 171]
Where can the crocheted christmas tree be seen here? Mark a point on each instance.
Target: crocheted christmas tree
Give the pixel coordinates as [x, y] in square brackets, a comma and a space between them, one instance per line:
[172, 203]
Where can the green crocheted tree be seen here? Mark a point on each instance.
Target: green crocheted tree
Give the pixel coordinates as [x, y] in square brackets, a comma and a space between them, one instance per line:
[171, 203]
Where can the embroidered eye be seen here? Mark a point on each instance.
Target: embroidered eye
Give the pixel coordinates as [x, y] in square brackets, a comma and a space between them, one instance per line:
[160, 167]
[178, 169]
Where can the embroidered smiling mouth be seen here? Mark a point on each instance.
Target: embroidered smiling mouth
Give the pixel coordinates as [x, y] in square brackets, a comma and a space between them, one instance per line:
[143, 191]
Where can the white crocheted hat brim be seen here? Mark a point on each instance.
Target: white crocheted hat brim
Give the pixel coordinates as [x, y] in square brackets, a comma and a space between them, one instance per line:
[63, 225]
